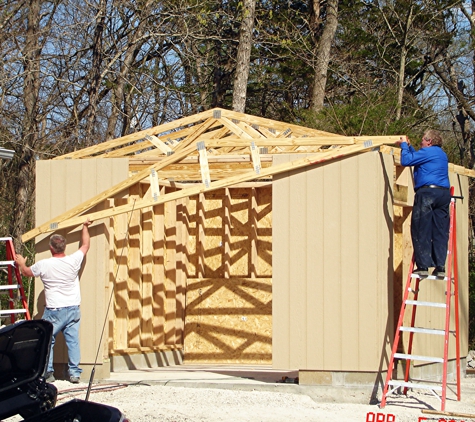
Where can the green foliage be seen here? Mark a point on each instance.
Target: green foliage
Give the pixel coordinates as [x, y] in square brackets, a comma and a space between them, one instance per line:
[370, 114]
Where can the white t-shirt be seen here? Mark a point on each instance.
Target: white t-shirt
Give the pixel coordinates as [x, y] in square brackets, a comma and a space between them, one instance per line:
[60, 278]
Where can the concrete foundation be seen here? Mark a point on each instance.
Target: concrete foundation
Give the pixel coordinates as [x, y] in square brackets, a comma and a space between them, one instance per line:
[145, 360]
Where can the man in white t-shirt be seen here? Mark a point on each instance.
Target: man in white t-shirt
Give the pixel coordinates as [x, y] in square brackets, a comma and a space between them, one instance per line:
[60, 278]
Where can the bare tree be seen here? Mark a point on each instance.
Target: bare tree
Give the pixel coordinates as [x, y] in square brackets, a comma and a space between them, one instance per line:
[243, 56]
[322, 56]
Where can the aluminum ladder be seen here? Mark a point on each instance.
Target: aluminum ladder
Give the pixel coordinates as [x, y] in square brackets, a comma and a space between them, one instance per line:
[451, 279]
[14, 284]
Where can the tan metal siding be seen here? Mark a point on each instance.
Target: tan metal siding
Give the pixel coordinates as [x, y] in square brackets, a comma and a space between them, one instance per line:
[60, 186]
[332, 265]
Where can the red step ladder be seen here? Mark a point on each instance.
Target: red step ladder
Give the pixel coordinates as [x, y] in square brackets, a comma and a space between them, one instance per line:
[391, 385]
[14, 284]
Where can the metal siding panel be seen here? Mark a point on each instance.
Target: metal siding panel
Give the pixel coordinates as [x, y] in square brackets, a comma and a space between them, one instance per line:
[298, 274]
[332, 321]
[351, 265]
[347, 208]
[314, 264]
[280, 270]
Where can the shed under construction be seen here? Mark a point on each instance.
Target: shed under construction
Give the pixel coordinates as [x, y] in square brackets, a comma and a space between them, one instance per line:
[228, 238]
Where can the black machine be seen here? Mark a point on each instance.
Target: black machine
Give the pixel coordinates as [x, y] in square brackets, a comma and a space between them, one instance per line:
[24, 350]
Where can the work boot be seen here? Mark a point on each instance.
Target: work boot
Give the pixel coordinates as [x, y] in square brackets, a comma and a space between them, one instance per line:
[421, 272]
[439, 272]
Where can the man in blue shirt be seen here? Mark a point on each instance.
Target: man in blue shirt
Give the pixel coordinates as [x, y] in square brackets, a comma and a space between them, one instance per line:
[430, 213]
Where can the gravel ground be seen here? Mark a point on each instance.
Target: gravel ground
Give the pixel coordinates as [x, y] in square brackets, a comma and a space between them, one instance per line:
[141, 402]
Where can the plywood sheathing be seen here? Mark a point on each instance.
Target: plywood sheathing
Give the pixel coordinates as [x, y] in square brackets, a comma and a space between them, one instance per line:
[187, 240]
[229, 321]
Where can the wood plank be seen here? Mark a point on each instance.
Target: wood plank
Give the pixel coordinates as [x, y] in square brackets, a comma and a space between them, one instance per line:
[227, 233]
[200, 233]
[205, 126]
[218, 184]
[121, 292]
[181, 264]
[146, 328]
[134, 260]
[234, 128]
[159, 144]
[205, 177]
[253, 256]
[159, 295]
[104, 146]
[272, 124]
[170, 273]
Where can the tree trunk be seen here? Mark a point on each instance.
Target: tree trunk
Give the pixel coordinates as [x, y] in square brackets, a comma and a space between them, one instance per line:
[25, 181]
[96, 79]
[322, 58]
[243, 56]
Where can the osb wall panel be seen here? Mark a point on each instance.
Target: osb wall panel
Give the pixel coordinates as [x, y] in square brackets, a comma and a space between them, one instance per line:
[60, 186]
[332, 265]
[229, 321]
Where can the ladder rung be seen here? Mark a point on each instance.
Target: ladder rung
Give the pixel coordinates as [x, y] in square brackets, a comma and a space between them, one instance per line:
[5, 239]
[421, 303]
[417, 357]
[10, 287]
[397, 383]
[429, 277]
[423, 330]
[13, 311]
[5, 263]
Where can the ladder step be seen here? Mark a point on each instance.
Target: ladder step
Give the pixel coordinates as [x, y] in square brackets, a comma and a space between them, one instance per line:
[417, 357]
[13, 311]
[422, 330]
[429, 277]
[10, 287]
[6, 263]
[5, 239]
[397, 383]
[421, 303]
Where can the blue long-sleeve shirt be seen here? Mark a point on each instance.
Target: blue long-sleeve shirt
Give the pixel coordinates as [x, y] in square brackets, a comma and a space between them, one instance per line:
[430, 165]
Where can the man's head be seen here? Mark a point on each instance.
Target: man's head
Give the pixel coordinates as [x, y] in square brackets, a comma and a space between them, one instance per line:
[432, 137]
[57, 243]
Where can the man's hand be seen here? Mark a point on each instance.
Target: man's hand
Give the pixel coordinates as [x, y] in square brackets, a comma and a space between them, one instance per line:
[20, 260]
[87, 223]
[403, 139]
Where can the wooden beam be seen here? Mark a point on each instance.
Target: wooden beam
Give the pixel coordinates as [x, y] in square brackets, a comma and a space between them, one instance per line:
[454, 414]
[234, 128]
[196, 134]
[104, 146]
[247, 176]
[271, 124]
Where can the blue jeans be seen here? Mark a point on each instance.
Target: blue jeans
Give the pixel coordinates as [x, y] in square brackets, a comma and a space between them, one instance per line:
[67, 320]
[430, 227]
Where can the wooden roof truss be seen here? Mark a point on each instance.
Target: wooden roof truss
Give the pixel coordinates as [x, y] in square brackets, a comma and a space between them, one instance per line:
[214, 149]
